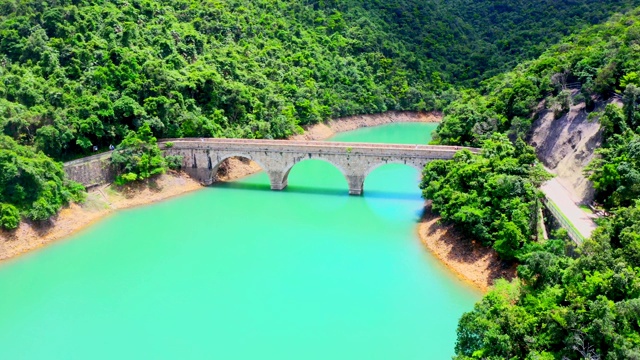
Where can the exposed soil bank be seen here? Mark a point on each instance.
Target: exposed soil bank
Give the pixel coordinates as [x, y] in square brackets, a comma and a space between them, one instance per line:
[476, 264]
[470, 261]
[234, 168]
[325, 131]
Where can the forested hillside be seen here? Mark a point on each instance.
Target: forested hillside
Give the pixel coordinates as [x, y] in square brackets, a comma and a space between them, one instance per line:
[470, 40]
[81, 73]
[565, 305]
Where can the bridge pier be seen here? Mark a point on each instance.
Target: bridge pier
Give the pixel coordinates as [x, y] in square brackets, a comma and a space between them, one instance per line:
[356, 184]
[278, 185]
[278, 179]
[204, 176]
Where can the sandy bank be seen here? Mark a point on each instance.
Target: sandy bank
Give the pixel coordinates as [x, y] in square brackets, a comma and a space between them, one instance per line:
[234, 168]
[325, 131]
[472, 262]
[100, 203]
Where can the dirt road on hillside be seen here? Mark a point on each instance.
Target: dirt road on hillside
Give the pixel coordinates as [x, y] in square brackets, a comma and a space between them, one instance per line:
[560, 196]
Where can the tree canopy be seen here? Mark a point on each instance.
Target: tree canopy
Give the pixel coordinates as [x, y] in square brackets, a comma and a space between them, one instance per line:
[31, 184]
[564, 304]
[493, 196]
[603, 60]
[138, 157]
[82, 73]
[564, 308]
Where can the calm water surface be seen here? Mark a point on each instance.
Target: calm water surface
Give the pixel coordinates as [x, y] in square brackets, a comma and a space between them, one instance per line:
[237, 271]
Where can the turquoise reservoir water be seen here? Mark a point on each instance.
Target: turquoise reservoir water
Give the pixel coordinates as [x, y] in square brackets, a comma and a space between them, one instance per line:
[237, 271]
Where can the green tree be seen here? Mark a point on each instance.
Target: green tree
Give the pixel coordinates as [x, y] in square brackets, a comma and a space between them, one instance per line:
[31, 185]
[492, 196]
[9, 216]
[138, 156]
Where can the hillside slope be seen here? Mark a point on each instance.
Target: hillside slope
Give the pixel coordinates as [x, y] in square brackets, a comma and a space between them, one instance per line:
[78, 74]
[539, 100]
[566, 304]
[566, 146]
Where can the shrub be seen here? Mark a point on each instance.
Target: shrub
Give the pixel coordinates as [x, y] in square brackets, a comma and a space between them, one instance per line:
[32, 184]
[174, 162]
[138, 156]
[9, 217]
[560, 104]
[126, 178]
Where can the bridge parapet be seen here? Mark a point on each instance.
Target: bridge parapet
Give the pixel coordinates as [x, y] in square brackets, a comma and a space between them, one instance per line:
[328, 146]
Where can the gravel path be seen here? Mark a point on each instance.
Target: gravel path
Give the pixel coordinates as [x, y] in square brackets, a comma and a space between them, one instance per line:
[560, 196]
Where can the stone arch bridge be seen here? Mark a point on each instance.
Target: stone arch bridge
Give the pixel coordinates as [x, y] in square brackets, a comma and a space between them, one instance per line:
[203, 156]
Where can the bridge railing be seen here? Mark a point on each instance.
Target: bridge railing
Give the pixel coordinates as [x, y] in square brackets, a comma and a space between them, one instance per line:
[82, 160]
[572, 231]
[314, 144]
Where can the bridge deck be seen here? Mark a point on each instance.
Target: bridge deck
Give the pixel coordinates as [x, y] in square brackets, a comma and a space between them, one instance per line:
[317, 145]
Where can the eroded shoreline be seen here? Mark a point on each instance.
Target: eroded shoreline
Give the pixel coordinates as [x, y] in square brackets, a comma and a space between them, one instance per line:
[107, 199]
[470, 261]
[479, 270]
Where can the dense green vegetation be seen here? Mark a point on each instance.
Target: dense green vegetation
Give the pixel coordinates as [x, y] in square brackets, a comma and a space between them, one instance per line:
[583, 306]
[82, 73]
[493, 196]
[604, 59]
[31, 185]
[470, 40]
[565, 308]
[138, 157]
[616, 173]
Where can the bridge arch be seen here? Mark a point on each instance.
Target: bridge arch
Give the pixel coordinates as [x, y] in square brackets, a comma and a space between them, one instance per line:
[356, 180]
[222, 157]
[283, 176]
[374, 167]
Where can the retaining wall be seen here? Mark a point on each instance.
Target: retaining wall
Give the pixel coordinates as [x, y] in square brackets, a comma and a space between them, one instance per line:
[91, 171]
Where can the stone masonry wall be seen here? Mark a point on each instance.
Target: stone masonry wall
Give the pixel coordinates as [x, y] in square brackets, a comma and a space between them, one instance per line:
[202, 157]
[91, 171]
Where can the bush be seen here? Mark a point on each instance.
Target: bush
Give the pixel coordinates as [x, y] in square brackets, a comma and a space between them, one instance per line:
[174, 162]
[560, 104]
[9, 217]
[138, 157]
[32, 184]
[125, 178]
